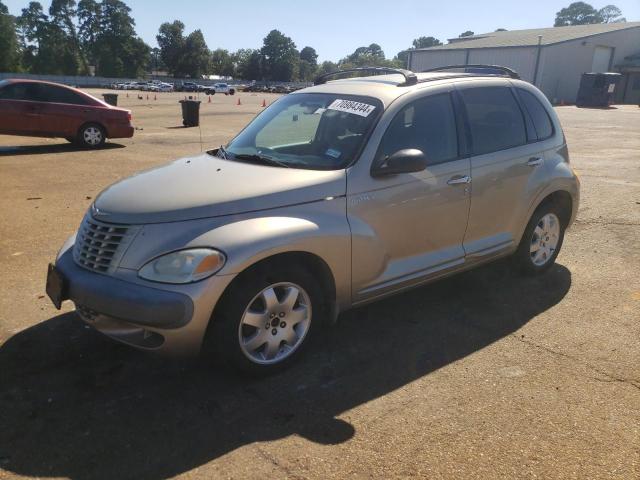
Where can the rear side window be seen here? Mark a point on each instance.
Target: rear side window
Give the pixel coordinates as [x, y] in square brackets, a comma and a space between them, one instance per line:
[537, 112]
[51, 93]
[495, 119]
[427, 124]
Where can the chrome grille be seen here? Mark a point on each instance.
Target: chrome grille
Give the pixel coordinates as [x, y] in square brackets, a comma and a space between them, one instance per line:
[99, 245]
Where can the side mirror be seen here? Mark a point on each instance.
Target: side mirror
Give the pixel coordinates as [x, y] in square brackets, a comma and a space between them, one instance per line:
[408, 160]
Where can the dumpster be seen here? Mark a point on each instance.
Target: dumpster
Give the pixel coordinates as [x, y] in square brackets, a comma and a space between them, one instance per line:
[111, 98]
[190, 113]
[597, 89]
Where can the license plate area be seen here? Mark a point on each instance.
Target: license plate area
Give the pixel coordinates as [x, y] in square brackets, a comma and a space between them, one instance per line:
[56, 286]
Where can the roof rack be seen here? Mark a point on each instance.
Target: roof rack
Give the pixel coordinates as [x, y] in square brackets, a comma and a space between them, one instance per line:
[479, 69]
[409, 77]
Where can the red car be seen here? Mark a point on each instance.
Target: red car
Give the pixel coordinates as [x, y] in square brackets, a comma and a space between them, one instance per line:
[44, 109]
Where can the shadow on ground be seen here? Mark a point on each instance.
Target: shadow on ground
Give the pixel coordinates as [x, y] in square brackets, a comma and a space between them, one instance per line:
[74, 404]
[55, 148]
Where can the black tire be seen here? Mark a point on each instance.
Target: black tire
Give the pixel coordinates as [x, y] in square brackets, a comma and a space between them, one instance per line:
[91, 135]
[523, 258]
[224, 333]
[232, 92]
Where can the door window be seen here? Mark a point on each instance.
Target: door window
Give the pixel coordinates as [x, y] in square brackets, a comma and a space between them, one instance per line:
[495, 119]
[427, 124]
[53, 94]
[537, 112]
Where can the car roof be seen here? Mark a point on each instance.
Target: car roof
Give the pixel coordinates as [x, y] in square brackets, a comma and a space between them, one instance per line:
[42, 82]
[389, 87]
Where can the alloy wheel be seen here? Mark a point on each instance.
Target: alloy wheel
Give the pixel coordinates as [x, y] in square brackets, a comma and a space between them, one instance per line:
[275, 323]
[544, 240]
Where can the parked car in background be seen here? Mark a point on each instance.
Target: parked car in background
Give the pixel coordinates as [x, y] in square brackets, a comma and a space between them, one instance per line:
[44, 109]
[219, 88]
[186, 87]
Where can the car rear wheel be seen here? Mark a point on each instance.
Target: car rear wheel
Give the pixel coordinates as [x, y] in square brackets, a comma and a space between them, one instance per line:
[232, 91]
[267, 318]
[541, 241]
[91, 135]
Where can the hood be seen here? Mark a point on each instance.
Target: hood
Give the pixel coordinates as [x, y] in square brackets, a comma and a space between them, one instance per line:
[207, 186]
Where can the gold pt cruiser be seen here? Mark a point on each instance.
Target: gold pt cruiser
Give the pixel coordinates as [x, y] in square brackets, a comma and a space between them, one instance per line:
[334, 196]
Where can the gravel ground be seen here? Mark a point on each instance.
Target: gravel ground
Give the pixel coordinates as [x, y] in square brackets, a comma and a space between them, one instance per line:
[484, 375]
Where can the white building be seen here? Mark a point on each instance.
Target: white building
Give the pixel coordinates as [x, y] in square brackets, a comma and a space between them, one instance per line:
[551, 58]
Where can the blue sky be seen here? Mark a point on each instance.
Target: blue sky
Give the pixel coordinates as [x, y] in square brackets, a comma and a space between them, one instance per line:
[336, 28]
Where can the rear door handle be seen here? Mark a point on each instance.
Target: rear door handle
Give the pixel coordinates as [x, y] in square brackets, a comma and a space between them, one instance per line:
[459, 180]
[534, 161]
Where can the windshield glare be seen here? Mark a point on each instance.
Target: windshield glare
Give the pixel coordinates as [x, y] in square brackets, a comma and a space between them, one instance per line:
[310, 130]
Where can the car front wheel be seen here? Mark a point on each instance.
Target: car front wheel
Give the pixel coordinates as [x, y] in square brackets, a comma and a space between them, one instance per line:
[267, 319]
[541, 242]
[91, 136]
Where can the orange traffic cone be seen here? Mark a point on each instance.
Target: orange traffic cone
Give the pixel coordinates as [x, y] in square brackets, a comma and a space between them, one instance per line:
[154, 97]
[239, 102]
[147, 96]
[264, 103]
[209, 99]
[127, 94]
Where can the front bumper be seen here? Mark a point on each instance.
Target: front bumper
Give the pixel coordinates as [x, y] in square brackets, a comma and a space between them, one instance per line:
[170, 319]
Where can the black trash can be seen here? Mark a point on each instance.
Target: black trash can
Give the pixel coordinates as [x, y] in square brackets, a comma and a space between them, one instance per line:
[111, 98]
[597, 89]
[190, 113]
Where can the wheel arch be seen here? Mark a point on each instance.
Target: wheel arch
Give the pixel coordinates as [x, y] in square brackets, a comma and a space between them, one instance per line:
[313, 263]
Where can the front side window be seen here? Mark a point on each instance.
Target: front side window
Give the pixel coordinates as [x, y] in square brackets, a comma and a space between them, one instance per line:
[20, 91]
[428, 125]
[495, 119]
[537, 112]
[309, 130]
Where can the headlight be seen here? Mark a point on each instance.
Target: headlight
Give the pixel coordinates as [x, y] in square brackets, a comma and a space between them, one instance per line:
[184, 266]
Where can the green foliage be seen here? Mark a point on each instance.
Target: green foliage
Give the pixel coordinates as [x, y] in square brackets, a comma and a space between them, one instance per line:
[71, 38]
[223, 63]
[611, 14]
[10, 57]
[468, 33]
[581, 13]
[426, 42]
[248, 64]
[188, 56]
[279, 57]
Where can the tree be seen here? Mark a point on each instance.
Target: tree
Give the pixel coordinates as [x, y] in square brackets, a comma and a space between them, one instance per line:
[501, 30]
[367, 56]
[327, 67]
[468, 33]
[578, 13]
[248, 64]
[279, 56]
[426, 42]
[10, 58]
[223, 63]
[89, 14]
[61, 15]
[196, 58]
[119, 51]
[611, 14]
[308, 64]
[172, 44]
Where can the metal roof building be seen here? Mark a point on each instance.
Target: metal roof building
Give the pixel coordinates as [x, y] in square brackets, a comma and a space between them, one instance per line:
[551, 58]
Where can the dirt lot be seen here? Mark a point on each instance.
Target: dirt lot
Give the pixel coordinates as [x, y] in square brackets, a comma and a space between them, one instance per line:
[486, 375]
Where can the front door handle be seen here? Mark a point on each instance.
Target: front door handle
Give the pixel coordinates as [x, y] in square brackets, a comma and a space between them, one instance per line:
[459, 180]
[534, 161]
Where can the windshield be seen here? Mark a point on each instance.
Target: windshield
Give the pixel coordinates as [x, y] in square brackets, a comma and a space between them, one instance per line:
[308, 130]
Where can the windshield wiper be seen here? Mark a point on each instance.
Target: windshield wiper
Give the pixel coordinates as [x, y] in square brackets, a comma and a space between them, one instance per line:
[261, 159]
[222, 151]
